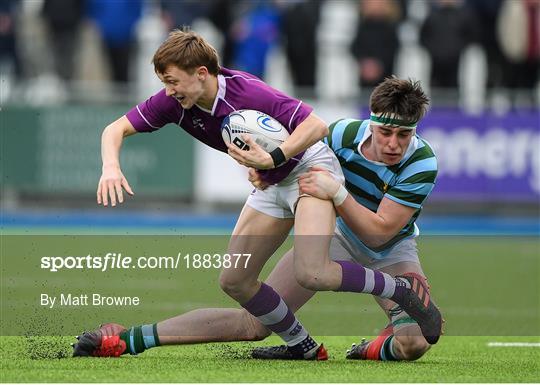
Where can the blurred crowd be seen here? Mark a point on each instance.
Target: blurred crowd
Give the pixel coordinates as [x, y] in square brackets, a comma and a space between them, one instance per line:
[52, 40]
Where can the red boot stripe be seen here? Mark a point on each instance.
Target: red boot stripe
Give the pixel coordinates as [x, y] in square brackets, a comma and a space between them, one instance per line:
[426, 299]
[420, 291]
[414, 284]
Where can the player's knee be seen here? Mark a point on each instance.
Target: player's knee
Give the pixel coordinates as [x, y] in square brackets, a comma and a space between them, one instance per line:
[412, 347]
[309, 279]
[231, 285]
[254, 330]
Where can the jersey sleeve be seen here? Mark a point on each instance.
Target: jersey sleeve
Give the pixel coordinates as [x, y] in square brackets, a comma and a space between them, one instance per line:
[154, 113]
[343, 133]
[416, 180]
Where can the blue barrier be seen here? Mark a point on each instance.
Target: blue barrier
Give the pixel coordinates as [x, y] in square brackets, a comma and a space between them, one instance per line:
[88, 220]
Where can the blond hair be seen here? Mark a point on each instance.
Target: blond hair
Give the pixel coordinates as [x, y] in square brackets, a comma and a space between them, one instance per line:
[186, 50]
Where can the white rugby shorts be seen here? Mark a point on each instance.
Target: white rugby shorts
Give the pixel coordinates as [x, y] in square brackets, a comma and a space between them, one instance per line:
[280, 200]
[341, 249]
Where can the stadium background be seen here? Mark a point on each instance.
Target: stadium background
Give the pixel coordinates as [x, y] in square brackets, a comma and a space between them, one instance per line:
[482, 219]
[489, 163]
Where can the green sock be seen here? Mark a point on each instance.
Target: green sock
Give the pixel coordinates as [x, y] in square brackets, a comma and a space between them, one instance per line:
[387, 353]
[140, 338]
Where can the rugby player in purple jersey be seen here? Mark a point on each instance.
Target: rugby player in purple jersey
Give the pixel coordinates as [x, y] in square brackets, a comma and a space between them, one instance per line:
[198, 95]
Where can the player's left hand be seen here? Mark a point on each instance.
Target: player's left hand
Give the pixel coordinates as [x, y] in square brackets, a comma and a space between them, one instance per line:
[255, 179]
[255, 157]
[318, 183]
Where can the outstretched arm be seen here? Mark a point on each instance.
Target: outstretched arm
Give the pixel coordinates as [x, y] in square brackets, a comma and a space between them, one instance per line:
[112, 180]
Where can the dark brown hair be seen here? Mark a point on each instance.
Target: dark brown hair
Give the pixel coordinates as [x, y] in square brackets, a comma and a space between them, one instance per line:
[399, 96]
[186, 50]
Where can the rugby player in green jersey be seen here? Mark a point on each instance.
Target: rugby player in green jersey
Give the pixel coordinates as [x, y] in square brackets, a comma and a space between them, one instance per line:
[389, 172]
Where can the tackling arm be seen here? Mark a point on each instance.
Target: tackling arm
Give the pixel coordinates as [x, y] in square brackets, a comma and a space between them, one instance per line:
[374, 229]
[112, 180]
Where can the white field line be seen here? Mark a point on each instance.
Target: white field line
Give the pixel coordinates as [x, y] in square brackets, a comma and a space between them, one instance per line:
[514, 344]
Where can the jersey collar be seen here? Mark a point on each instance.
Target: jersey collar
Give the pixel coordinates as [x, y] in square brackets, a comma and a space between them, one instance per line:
[222, 87]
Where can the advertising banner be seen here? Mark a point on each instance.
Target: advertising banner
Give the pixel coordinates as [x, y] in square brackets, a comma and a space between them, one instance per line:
[57, 150]
[485, 157]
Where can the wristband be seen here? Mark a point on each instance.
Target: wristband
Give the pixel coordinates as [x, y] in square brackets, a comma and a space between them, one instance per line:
[278, 157]
[340, 196]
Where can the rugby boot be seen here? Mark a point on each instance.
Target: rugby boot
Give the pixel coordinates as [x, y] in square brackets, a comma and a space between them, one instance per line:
[282, 352]
[369, 350]
[103, 342]
[416, 302]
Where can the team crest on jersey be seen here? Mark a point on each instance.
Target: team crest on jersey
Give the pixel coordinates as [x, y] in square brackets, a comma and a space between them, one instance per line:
[197, 123]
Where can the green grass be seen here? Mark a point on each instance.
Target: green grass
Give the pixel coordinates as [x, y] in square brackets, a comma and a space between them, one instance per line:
[454, 359]
[485, 286]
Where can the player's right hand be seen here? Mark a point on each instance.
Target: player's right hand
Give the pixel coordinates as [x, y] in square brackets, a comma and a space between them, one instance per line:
[318, 183]
[254, 157]
[111, 185]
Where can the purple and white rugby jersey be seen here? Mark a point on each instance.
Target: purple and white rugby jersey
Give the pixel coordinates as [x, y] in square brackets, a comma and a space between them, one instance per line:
[236, 91]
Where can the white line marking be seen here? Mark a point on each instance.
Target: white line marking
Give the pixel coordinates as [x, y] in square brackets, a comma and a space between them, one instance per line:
[514, 344]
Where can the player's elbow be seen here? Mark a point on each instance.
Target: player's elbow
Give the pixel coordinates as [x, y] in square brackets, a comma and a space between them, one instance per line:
[113, 132]
[120, 128]
[322, 130]
[376, 241]
[316, 127]
[377, 237]
[108, 130]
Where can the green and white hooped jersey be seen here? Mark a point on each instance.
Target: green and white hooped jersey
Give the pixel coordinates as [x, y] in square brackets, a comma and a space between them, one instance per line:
[408, 183]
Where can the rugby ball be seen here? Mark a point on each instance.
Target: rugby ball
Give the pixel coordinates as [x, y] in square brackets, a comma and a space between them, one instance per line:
[266, 131]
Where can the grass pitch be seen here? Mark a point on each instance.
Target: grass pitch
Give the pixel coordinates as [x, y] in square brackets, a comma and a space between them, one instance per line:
[453, 359]
[487, 288]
